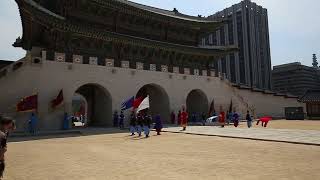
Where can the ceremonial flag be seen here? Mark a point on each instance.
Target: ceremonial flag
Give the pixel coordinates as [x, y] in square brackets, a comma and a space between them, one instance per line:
[230, 107]
[144, 104]
[137, 102]
[58, 100]
[127, 104]
[28, 104]
[211, 110]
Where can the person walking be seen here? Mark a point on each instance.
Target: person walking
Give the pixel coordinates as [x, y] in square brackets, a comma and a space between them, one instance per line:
[158, 124]
[33, 124]
[146, 125]
[133, 120]
[139, 123]
[184, 119]
[249, 120]
[115, 119]
[121, 122]
[235, 117]
[7, 125]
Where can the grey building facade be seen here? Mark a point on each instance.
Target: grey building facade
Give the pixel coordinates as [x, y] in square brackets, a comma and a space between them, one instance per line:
[295, 78]
[248, 29]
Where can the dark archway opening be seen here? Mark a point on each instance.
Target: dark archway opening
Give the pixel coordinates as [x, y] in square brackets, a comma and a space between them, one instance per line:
[96, 107]
[159, 101]
[197, 103]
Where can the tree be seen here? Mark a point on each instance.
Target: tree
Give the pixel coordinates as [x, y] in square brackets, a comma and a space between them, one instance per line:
[315, 61]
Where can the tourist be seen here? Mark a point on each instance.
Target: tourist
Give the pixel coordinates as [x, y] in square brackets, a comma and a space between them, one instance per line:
[179, 118]
[222, 117]
[6, 126]
[33, 123]
[204, 118]
[184, 119]
[235, 118]
[121, 122]
[249, 119]
[132, 123]
[146, 125]
[158, 124]
[115, 119]
[173, 117]
[139, 123]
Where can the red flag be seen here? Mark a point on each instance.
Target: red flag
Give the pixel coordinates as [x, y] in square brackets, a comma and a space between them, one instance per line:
[28, 104]
[137, 102]
[58, 100]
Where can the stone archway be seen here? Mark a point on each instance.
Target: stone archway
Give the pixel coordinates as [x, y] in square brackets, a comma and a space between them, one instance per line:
[197, 102]
[98, 104]
[159, 101]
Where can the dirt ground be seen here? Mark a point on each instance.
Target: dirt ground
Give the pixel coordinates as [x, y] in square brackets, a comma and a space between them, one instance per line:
[169, 156]
[286, 124]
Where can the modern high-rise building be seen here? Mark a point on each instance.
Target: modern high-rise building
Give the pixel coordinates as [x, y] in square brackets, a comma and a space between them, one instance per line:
[248, 29]
[295, 78]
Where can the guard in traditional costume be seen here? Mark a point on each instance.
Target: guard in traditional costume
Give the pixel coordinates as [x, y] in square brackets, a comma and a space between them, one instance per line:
[146, 125]
[236, 119]
[132, 124]
[33, 123]
[222, 117]
[139, 123]
[184, 119]
[158, 124]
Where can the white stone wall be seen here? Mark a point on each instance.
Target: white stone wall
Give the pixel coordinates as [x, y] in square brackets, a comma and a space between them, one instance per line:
[49, 77]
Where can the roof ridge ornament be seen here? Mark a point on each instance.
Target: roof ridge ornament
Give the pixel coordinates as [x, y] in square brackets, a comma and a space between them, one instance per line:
[175, 10]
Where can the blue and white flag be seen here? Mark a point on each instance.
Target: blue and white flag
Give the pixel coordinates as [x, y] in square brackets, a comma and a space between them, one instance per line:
[127, 104]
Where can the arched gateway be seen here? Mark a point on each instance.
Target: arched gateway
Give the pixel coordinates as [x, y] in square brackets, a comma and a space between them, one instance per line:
[159, 100]
[197, 102]
[98, 104]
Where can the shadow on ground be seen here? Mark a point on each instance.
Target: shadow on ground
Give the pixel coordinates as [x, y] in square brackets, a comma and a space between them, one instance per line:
[19, 137]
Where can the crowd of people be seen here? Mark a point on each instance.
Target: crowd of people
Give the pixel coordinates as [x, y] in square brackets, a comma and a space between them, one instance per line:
[222, 118]
[138, 122]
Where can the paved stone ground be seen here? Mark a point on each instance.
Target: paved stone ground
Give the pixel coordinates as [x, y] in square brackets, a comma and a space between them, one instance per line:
[311, 137]
[118, 156]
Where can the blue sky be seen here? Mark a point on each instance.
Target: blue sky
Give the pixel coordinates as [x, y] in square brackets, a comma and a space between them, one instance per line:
[294, 25]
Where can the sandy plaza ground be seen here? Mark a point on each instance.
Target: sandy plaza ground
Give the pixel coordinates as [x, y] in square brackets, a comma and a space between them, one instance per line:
[169, 156]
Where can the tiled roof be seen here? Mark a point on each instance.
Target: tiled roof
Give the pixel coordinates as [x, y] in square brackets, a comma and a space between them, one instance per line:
[174, 14]
[311, 96]
[4, 63]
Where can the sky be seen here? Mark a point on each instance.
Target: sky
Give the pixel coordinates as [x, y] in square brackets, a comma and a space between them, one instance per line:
[294, 25]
